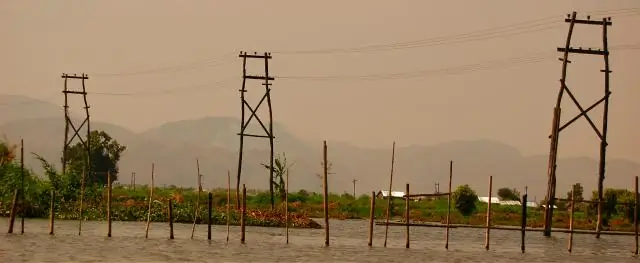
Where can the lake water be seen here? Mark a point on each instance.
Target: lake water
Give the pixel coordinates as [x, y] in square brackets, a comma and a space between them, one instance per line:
[348, 244]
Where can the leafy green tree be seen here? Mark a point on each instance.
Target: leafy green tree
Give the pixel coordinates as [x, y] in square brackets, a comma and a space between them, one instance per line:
[507, 194]
[280, 169]
[105, 154]
[577, 192]
[465, 200]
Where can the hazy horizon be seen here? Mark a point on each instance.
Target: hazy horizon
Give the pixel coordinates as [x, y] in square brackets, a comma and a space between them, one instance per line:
[179, 60]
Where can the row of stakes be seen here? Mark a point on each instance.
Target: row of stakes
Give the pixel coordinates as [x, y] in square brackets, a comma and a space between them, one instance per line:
[407, 224]
[407, 197]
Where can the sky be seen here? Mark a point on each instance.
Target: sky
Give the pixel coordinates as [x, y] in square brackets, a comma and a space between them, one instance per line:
[360, 71]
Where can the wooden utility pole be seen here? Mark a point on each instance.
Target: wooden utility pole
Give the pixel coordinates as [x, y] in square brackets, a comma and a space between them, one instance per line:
[244, 123]
[557, 128]
[68, 123]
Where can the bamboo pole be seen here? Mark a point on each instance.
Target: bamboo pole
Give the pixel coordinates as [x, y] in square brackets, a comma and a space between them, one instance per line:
[146, 234]
[487, 237]
[446, 237]
[210, 205]
[81, 212]
[170, 218]
[572, 202]
[22, 195]
[109, 193]
[326, 196]
[286, 207]
[372, 216]
[407, 213]
[14, 209]
[228, 203]
[243, 214]
[635, 215]
[195, 213]
[386, 229]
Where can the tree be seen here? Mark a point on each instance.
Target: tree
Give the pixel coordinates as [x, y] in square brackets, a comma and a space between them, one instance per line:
[507, 194]
[105, 154]
[465, 200]
[577, 193]
[280, 169]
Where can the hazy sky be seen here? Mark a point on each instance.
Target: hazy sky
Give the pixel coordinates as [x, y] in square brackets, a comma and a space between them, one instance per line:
[179, 60]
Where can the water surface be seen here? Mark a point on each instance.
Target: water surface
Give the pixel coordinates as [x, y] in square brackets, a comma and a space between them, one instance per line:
[348, 244]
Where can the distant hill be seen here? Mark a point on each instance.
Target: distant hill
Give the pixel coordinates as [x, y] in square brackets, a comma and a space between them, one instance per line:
[174, 146]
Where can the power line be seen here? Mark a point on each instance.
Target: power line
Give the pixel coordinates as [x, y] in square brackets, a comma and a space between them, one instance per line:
[209, 62]
[487, 65]
[496, 32]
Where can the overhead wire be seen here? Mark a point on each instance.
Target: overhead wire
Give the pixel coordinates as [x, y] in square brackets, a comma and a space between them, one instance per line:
[455, 70]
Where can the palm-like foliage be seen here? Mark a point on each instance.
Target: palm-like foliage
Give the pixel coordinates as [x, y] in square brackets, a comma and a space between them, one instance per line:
[280, 168]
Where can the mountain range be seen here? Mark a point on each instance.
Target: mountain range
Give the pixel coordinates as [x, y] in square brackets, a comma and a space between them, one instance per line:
[174, 147]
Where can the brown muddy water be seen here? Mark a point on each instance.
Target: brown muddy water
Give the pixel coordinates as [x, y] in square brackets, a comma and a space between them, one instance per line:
[348, 244]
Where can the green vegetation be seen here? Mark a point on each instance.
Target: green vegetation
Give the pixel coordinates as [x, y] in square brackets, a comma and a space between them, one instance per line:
[127, 204]
[131, 204]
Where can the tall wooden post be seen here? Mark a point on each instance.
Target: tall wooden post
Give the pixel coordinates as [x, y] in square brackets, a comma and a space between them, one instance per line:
[23, 194]
[243, 214]
[52, 213]
[81, 208]
[170, 219]
[109, 193]
[146, 232]
[195, 213]
[407, 214]
[14, 209]
[446, 238]
[325, 187]
[635, 215]
[372, 216]
[209, 208]
[573, 204]
[286, 207]
[523, 223]
[487, 237]
[229, 203]
[386, 227]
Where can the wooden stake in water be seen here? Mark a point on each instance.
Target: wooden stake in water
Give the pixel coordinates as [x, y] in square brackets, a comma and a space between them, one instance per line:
[146, 234]
[407, 213]
[81, 209]
[326, 196]
[243, 214]
[22, 195]
[209, 208]
[195, 213]
[487, 237]
[372, 217]
[286, 206]
[170, 219]
[635, 215]
[14, 209]
[52, 212]
[109, 192]
[573, 205]
[446, 235]
[386, 227]
[228, 203]
[523, 223]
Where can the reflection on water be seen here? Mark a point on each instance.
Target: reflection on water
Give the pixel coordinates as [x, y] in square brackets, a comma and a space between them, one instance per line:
[348, 244]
